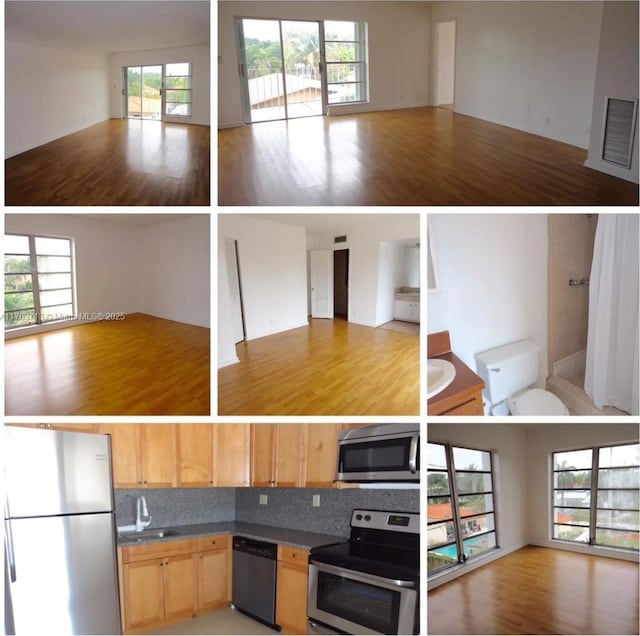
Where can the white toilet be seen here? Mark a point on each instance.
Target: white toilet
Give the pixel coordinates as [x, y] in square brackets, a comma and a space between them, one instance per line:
[508, 371]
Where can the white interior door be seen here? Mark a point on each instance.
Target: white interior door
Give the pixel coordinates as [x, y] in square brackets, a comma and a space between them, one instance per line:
[231, 258]
[321, 263]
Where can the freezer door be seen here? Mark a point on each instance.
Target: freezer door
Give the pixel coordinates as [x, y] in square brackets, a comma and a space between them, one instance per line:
[56, 472]
[64, 575]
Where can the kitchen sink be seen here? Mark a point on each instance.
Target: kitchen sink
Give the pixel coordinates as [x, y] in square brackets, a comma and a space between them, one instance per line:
[147, 534]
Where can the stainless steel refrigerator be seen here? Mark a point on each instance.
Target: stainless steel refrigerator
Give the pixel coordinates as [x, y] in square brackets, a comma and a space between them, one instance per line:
[59, 534]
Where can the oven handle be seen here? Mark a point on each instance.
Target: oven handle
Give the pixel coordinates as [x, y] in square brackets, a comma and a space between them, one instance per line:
[413, 453]
[332, 569]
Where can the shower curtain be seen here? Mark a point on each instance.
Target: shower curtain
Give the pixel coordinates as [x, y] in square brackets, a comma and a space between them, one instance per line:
[611, 377]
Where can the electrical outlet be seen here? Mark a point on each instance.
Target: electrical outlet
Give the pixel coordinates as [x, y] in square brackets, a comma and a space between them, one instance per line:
[263, 500]
[316, 501]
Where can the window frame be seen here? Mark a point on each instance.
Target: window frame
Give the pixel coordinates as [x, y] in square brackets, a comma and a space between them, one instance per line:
[35, 272]
[593, 489]
[454, 494]
[362, 48]
[166, 91]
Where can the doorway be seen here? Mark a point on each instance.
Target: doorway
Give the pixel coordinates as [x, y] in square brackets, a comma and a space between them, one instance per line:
[341, 284]
[445, 62]
[280, 69]
[143, 93]
[235, 289]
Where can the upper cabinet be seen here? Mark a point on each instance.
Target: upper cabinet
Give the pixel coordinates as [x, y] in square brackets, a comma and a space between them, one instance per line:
[277, 452]
[231, 444]
[194, 444]
[320, 455]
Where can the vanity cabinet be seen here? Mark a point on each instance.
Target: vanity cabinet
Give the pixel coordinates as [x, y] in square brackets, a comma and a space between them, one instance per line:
[406, 309]
[291, 592]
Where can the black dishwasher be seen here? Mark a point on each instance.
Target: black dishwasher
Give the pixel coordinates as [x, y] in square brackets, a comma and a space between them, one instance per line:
[254, 579]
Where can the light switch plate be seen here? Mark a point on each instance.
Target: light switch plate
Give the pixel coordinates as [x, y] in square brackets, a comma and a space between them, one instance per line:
[316, 501]
[263, 500]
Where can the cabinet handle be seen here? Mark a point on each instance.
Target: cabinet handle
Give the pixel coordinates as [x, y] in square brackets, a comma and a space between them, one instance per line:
[144, 482]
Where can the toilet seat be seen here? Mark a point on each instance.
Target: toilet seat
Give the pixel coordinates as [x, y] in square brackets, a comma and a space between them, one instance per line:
[536, 402]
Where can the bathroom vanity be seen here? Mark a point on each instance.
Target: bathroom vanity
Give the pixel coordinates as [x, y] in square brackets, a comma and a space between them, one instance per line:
[463, 395]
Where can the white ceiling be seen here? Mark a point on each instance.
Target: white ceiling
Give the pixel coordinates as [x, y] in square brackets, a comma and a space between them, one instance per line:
[332, 223]
[111, 26]
[138, 220]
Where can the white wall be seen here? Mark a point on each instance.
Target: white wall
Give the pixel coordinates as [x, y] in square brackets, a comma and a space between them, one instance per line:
[50, 92]
[105, 257]
[399, 35]
[391, 275]
[273, 273]
[199, 56]
[540, 444]
[445, 43]
[527, 65]
[617, 77]
[509, 444]
[492, 273]
[173, 270]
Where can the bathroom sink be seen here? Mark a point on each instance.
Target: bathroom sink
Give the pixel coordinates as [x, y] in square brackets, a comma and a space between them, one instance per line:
[440, 374]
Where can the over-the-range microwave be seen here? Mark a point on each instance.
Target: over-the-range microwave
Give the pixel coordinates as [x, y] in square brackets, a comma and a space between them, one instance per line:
[382, 452]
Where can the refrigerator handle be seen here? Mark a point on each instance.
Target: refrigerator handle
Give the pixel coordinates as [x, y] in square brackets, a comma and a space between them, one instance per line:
[11, 557]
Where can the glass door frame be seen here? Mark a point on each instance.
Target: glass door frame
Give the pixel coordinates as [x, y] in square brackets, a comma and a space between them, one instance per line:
[125, 90]
[244, 80]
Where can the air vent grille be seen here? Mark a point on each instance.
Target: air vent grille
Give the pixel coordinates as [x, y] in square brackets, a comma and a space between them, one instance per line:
[340, 239]
[620, 122]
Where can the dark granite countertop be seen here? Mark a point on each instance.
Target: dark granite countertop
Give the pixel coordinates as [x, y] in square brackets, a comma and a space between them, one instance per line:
[296, 538]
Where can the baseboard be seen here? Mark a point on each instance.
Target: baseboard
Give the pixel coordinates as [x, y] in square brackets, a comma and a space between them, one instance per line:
[255, 336]
[591, 550]
[613, 171]
[363, 324]
[228, 362]
[234, 125]
[365, 108]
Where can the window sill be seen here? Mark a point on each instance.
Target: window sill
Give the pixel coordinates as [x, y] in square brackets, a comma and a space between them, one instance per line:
[593, 548]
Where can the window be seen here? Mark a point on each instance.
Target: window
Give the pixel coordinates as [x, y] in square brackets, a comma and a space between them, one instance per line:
[345, 50]
[38, 280]
[460, 507]
[177, 90]
[595, 496]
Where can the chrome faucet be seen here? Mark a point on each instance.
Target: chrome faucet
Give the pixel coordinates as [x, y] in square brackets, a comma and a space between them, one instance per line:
[142, 511]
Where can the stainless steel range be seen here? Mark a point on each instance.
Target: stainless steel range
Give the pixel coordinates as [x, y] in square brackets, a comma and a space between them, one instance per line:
[369, 584]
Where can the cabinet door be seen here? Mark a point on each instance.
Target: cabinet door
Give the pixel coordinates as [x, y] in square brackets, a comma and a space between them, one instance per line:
[231, 454]
[212, 580]
[124, 454]
[263, 438]
[143, 593]
[321, 454]
[180, 577]
[289, 455]
[158, 455]
[402, 310]
[291, 598]
[194, 445]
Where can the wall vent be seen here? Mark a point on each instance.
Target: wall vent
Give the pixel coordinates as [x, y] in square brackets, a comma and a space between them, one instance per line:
[340, 239]
[619, 130]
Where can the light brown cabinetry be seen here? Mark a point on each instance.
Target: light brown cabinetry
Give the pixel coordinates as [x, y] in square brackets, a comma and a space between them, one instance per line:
[194, 444]
[277, 455]
[144, 455]
[160, 583]
[75, 428]
[231, 443]
[291, 593]
[320, 455]
[166, 582]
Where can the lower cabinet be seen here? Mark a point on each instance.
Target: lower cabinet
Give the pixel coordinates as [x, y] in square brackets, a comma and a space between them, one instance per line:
[291, 594]
[171, 581]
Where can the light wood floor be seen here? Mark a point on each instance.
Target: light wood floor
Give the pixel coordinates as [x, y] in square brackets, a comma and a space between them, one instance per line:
[226, 621]
[539, 591]
[418, 156]
[117, 162]
[139, 366]
[331, 367]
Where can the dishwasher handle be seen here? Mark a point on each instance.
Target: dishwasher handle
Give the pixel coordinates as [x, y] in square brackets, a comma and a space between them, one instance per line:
[255, 547]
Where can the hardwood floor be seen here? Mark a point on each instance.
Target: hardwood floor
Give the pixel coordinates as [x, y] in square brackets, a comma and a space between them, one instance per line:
[539, 591]
[117, 162]
[331, 367]
[418, 156]
[139, 366]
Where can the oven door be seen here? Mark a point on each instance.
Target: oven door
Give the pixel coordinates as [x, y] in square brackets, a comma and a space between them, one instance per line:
[384, 458]
[359, 603]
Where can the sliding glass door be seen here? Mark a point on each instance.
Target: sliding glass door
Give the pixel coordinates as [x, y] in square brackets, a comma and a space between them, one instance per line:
[280, 68]
[143, 92]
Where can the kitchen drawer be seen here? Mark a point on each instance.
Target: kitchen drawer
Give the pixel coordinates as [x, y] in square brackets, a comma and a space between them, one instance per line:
[217, 542]
[296, 556]
[133, 553]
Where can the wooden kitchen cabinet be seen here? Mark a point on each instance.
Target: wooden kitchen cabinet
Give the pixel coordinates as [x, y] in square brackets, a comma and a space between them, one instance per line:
[143, 455]
[291, 593]
[74, 428]
[277, 455]
[143, 593]
[320, 455]
[214, 572]
[231, 452]
[194, 445]
[180, 587]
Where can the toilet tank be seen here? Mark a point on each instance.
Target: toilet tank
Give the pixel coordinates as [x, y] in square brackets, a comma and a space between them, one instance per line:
[508, 369]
